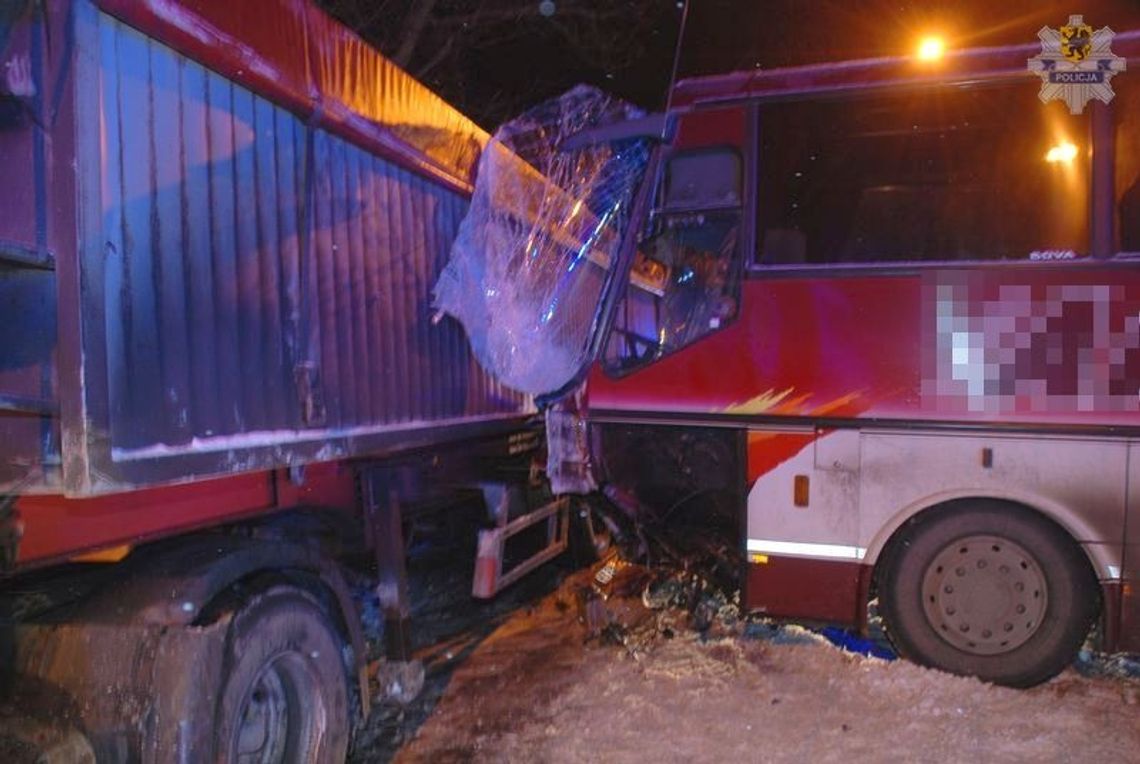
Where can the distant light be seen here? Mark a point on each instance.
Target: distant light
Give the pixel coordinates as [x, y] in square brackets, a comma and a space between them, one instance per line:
[931, 48]
[1063, 152]
[546, 7]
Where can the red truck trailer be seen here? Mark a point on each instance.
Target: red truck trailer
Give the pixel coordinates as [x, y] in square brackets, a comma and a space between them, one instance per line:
[219, 374]
[883, 314]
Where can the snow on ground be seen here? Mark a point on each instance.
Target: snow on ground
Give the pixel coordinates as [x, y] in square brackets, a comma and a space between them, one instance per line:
[538, 689]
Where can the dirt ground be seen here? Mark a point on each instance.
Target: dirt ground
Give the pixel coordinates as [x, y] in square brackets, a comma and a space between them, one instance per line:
[642, 684]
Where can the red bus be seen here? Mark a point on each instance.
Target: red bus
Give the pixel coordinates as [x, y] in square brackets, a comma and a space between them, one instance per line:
[900, 327]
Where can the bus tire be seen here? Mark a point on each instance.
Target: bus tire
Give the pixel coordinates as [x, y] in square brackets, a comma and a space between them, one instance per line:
[989, 589]
[284, 691]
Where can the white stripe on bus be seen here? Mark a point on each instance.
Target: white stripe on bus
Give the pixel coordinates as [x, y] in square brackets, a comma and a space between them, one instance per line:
[798, 549]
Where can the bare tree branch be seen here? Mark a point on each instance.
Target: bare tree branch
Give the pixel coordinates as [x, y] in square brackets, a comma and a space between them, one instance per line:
[470, 51]
[413, 29]
[425, 69]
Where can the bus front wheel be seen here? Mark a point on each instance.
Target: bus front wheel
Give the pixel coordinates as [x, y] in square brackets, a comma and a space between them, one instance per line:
[989, 589]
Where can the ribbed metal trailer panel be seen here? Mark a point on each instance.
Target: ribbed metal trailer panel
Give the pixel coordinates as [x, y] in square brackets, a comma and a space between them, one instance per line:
[251, 282]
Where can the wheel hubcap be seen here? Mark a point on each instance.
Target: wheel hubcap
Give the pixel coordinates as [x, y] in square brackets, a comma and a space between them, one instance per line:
[282, 717]
[985, 595]
[264, 724]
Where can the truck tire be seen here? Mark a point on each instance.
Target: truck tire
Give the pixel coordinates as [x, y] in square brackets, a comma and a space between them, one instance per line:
[988, 589]
[284, 693]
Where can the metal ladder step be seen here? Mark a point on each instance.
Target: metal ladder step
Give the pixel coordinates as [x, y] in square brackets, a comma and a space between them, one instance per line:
[490, 578]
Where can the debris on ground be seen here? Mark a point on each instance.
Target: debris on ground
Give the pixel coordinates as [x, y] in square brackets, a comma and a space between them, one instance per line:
[1090, 663]
[449, 626]
[632, 605]
[626, 663]
[629, 661]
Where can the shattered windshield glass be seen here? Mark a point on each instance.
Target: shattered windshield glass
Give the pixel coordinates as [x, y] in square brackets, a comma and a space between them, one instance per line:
[540, 240]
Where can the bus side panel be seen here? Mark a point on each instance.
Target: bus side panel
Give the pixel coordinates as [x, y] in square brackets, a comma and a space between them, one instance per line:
[803, 525]
[807, 542]
[806, 588]
[1031, 343]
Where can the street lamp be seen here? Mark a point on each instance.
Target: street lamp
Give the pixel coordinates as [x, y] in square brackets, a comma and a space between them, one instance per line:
[931, 48]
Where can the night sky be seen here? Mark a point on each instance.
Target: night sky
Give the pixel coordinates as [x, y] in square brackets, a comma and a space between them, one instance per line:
[724, 35]
[514, 53]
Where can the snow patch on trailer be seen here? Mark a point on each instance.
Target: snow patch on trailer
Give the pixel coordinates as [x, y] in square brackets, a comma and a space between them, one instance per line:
[277, 438]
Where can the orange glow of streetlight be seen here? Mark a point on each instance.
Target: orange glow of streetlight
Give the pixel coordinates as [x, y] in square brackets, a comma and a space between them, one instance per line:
[931, 48]
[1063, 153]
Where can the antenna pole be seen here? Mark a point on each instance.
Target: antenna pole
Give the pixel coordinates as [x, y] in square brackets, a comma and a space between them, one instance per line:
[676, 66]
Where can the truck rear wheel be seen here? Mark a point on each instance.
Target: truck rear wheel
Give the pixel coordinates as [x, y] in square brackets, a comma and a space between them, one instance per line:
[284, 694]
[989, 589]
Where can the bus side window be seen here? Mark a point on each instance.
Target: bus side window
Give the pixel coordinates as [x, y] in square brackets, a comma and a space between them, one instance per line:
[702, 179]
[1126, 111]
[783, 246]
[934, 175]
